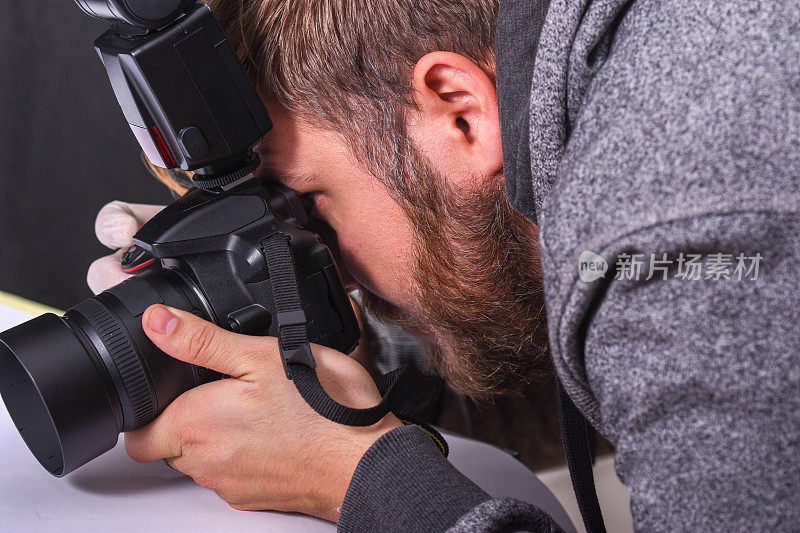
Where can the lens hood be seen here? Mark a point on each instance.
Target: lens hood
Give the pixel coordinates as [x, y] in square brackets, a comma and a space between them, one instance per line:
[55, 394]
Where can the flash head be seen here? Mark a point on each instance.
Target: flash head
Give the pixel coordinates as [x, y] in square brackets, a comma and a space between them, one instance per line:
[143, 13]
[182, 90]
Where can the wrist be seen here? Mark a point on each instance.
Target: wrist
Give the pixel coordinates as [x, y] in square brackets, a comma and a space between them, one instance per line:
[330, 488]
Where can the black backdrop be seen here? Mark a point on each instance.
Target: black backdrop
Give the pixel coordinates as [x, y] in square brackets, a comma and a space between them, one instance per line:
[65, 150]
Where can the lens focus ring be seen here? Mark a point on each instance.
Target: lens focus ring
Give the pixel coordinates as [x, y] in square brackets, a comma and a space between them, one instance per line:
[120, 347]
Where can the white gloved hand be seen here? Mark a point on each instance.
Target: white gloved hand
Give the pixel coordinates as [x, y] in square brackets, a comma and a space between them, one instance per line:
[115, 227]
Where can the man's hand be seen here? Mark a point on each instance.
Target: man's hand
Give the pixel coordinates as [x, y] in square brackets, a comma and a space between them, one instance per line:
[115, 227]
[252, 438]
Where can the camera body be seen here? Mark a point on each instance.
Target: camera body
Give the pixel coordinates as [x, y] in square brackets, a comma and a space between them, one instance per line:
[73, 383]
[217, 241]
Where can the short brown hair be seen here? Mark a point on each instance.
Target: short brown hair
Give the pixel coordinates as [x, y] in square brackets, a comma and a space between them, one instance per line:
[348, 63]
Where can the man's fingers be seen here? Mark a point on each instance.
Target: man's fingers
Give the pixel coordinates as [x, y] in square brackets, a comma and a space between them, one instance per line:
[185, 424]
[115, 227]
[160, 439]
[106, 272]
[118, 222]
[189, 338]
[345, 380]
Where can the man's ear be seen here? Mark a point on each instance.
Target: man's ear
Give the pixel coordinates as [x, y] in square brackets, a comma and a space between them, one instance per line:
[457, 124]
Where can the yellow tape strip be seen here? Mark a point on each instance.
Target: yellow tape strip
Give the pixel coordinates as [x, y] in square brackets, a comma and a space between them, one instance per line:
[26, 306]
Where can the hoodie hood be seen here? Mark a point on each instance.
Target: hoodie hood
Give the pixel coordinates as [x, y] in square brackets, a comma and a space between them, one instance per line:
[519, 26]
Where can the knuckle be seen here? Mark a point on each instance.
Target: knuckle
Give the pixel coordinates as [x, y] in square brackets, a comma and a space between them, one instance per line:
[100, 267]
[252, 393]
[200, 342]
[208, 481]
[110, 207]
[229, 492]
[115, 224]
[191, 435]
[96, 265]
[238, 505]
[94, 277]
[181, 407]
[118, 204]
[107, 216]
[133, 451]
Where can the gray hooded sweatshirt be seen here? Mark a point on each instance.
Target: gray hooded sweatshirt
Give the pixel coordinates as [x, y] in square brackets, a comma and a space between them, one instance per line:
[657, 146]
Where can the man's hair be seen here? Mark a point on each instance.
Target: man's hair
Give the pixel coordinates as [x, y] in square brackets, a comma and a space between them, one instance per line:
[347, 64]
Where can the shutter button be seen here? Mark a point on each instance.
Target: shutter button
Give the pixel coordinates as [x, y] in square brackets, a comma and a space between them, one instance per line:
[136, 259]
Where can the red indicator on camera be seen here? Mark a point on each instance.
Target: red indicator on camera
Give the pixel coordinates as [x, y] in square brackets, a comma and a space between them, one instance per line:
[162, 148]
[154, 147]
[136, 268]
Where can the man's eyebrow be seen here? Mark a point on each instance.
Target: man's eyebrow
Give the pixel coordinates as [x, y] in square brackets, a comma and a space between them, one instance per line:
[290, 178]
[298, 179]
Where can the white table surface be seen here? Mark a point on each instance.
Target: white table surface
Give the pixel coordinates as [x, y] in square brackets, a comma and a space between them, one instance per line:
[114, 493]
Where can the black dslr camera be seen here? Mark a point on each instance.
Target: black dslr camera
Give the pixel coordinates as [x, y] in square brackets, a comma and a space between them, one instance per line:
[232, 251]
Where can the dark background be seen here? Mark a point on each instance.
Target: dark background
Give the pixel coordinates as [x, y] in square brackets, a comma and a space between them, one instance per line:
[65, 151]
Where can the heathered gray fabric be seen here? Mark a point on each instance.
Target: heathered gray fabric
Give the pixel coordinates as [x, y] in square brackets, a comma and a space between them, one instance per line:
[664, 128]
[404, 483]
[501, 515]
[674, 127]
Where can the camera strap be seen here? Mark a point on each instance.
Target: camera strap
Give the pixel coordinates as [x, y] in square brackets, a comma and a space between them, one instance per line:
[580, 449]
[403, 390]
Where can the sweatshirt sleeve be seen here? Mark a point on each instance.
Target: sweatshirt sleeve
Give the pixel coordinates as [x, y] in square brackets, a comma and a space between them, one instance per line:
[680, 178]
[696, 376]
[404, 483]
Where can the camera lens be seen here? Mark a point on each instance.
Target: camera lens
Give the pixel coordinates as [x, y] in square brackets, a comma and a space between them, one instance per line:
[72, 384]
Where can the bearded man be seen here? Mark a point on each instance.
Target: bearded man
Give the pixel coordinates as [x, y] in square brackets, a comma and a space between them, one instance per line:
[627, 131]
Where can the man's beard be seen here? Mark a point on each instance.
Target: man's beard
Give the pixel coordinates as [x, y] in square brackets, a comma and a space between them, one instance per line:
[478, 288]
